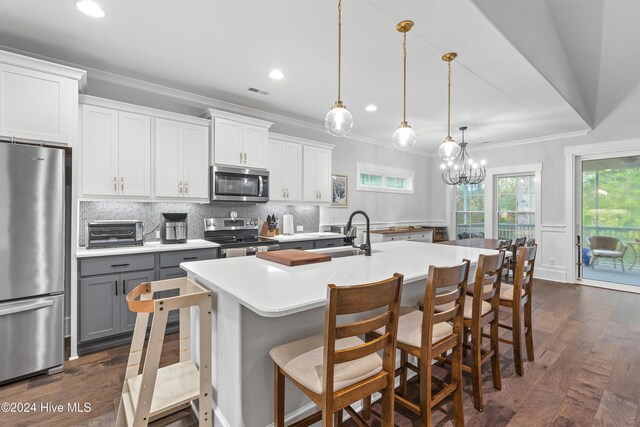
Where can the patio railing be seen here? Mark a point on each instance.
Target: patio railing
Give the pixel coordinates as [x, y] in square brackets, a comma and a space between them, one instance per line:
[625, 234]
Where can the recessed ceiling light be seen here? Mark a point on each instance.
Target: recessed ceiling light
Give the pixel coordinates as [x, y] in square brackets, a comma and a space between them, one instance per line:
[91, 8]
[371, 108]
[276, 74]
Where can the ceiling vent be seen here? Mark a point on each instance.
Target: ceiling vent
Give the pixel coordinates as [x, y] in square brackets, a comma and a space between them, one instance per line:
[261, 92]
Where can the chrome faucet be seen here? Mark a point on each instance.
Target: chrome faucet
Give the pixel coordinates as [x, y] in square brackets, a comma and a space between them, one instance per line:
[367, 244]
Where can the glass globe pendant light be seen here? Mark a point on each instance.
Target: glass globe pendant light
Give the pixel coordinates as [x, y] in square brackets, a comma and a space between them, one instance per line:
[339, 120]
[448, 150]
[404, 137]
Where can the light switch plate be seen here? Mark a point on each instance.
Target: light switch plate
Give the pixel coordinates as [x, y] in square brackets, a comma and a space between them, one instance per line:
[157, 234]
[299, 228]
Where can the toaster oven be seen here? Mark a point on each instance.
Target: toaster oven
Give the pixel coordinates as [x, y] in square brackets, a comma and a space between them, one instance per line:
[110, 234]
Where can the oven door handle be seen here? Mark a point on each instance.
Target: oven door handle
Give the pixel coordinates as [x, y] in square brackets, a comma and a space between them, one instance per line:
[261, 186]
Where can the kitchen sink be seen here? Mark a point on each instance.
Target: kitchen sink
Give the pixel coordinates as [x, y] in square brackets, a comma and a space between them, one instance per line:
[343, 252]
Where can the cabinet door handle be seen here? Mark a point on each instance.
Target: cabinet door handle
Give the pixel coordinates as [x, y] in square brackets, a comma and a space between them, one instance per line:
[115, 286]
[245, 158]
[122, 184]
[115, 184]
[284, 193]
[180, 187]
[123, 290]
[241, 157]
[186, 187]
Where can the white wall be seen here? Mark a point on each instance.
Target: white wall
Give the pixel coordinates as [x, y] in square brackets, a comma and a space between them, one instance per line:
[553, 261]
[381, 207]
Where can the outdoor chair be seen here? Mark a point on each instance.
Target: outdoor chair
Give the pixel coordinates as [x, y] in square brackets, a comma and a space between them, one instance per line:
[607, 247]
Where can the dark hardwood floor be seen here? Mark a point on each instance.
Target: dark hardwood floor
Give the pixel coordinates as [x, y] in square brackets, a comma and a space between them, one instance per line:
[586, 372]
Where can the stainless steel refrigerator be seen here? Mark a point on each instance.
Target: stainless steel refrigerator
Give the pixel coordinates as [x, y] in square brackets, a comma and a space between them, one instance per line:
[32, 257]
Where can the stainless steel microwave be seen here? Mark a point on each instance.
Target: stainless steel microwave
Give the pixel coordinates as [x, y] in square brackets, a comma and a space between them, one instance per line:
[237, 184]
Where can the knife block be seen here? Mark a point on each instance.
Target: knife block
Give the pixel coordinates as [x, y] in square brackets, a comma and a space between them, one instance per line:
[264, 230]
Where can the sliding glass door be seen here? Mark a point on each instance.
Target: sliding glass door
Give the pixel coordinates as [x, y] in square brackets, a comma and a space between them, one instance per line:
[609, 218]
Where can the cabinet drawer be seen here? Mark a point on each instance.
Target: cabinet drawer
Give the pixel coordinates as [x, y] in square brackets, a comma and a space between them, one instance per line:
[309, 244]
[173, 259]
[116, 264]
[329, 243]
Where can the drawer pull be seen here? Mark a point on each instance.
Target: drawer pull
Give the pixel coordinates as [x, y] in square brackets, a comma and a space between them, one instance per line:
[120, 265]
[189, 258]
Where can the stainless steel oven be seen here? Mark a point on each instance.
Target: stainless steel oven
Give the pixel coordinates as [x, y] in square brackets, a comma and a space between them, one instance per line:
[236, 184]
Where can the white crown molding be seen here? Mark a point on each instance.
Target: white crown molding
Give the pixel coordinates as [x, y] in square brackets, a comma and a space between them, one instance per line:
[132, 108]
[508, 144]
[211, 113]
[45, 65]
[303, 141]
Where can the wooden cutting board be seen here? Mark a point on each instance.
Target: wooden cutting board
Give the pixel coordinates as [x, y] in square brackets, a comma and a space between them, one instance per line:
[293, 257]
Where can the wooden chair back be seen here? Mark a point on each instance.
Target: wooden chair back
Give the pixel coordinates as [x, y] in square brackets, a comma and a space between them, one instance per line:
[517, 244]
[382, 298]
[487, 282]
[523, 279]
[530, 242]
[504, 244]
[454, 277]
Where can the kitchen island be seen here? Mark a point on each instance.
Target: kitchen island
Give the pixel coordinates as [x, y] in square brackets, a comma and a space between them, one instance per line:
[259, 305]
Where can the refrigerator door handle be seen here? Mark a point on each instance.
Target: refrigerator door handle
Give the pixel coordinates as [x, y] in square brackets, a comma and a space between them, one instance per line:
[27, 306]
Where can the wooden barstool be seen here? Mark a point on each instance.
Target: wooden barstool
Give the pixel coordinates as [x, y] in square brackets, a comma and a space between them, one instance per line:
[481, 309]
[518, 297]
[338, 368]
[517, 244]
[428, 334]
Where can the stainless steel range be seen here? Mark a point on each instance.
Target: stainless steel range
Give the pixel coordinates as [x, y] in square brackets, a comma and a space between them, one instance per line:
[237, 233]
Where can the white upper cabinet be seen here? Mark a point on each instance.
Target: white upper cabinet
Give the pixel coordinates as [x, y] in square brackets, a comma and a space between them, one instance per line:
[99, 151]
[255, 146]
[134, 152]
[285, 171]
[168, 145]
[116, 153]
[316, 175]
[38, 99]
[239, 140]
[228, 142]
[182, 165]
[196, 161]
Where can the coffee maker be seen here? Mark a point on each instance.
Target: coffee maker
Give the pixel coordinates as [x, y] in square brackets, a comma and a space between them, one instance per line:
[173, 228]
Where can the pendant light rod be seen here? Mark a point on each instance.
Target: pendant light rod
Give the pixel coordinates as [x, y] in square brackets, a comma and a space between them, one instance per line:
[404, 77]
[448, 57]
[339, 46]
[404, 27]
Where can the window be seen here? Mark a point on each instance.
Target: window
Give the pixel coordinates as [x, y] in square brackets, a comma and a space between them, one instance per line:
[516, 206]
[384, 179]
[470, 211]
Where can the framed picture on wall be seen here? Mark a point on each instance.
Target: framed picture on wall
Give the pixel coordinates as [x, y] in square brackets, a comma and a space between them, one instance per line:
[339, 191]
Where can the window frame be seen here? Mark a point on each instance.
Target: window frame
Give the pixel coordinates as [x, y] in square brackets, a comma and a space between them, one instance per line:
[385, 172]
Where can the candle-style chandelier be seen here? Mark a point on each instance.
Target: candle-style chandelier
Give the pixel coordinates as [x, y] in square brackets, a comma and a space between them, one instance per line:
[462, 169]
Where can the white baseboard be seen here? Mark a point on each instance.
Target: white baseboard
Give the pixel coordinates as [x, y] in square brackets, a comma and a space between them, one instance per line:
[551, 272]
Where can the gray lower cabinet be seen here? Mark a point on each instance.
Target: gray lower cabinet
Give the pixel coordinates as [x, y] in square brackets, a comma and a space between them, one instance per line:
[105, 319]
[103, 308]
[329, 243]
[129, 281]
[99, 307]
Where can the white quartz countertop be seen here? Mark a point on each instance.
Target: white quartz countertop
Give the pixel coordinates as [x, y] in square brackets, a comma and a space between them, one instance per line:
[83, 252]
[273, 290]
[308, 236]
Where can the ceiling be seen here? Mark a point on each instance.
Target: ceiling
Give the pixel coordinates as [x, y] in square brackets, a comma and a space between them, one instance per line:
[559, 71]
